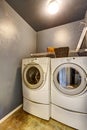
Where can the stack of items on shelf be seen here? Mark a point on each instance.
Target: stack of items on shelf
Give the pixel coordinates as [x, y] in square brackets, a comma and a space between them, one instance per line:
[53, 52]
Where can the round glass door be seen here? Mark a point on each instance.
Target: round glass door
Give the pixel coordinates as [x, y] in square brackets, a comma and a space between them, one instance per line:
[70, 79]
[33, 76]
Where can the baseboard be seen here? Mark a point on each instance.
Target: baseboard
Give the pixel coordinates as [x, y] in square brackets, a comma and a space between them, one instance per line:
[9, 114]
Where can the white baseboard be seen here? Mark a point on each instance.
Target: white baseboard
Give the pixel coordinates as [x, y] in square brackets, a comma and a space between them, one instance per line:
[9, 114]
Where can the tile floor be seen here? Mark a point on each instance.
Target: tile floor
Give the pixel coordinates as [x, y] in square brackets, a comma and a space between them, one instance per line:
[21, 120]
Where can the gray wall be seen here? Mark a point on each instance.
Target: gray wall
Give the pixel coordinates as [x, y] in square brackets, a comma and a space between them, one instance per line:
[17, 41]
[65, 35]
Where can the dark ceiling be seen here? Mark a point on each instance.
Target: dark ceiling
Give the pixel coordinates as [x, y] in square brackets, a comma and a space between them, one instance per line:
[34, 12]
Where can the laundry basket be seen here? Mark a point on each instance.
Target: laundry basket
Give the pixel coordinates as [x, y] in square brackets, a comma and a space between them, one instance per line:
[61, 52]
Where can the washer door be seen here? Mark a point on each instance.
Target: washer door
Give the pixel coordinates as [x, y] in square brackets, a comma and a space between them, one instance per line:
[33, 76]
[70, 79]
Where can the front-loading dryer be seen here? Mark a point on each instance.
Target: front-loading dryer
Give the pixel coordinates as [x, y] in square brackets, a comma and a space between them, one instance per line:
[69, 91]
[36, 86]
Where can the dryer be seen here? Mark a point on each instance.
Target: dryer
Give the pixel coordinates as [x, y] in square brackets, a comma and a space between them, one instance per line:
[36, 86]
[69, 91]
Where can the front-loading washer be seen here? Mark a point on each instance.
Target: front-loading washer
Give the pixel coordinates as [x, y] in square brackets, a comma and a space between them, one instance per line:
[36, 86]
[69, 91]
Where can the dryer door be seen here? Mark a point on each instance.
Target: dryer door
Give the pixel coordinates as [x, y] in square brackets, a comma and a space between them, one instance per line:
[70, 79]
[33, 76]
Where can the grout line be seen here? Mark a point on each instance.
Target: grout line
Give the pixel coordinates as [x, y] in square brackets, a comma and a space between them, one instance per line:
[9, 114]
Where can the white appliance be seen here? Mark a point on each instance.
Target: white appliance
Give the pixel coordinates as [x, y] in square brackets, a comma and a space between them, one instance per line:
[69, 91]
[36, 86]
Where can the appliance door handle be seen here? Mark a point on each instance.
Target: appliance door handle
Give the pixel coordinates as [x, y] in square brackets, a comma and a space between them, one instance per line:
[86, 79]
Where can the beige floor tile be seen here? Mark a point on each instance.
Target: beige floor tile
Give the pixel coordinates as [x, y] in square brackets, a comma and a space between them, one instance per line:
[21, 120]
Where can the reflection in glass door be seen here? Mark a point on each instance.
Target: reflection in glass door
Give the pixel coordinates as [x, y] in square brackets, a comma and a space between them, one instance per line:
[69, 78]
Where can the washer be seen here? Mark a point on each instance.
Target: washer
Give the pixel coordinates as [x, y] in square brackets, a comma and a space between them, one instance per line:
[36, 86]
[69, 91]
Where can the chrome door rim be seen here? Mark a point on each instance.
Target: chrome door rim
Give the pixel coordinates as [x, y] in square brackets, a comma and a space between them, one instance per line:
[75, 91]
[29, 85]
